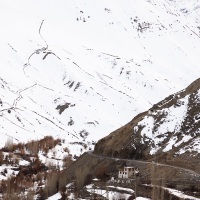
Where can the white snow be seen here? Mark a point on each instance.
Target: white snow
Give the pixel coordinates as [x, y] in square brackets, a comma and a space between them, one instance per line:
[55, 197]
[194, 146]
[110, 59]
[180, 194]
[122, 188]
[108, 194]
[7, 171]
[24, 162]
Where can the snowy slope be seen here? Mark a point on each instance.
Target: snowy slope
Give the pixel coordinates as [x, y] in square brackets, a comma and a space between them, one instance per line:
[80, 69]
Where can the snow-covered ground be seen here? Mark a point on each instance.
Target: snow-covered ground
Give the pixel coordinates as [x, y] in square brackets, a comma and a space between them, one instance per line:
[116, 195]
[55, 197]
[110, 194]
[181, 194]
[104, 61]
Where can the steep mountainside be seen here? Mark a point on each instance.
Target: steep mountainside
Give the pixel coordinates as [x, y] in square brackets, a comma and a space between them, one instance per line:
[80, 69]
[168, 132]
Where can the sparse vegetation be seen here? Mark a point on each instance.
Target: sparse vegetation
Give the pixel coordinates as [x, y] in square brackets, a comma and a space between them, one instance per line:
[35, 177]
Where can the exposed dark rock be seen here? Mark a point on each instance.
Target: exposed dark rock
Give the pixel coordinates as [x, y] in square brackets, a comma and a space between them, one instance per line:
[62, 108]
[132, 140]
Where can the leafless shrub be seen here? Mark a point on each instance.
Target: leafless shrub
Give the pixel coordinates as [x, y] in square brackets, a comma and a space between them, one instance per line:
[66, 149]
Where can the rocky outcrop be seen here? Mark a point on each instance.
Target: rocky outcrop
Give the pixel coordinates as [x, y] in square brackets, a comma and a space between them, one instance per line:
[169, 131]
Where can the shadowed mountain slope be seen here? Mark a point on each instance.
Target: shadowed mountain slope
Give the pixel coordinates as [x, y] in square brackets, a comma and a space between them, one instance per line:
[168, 132]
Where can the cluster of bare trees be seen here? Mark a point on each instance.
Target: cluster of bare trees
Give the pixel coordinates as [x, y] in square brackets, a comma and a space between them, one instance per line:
[44, 181]
[32, 147]
[41, 183]
[14, 188]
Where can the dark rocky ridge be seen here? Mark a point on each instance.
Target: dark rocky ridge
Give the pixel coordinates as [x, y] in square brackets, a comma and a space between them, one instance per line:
[126, 142]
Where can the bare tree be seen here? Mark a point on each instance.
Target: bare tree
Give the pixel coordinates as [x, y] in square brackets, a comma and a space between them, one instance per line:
[9, 144]
[162, 187]
[33, 147]
[67, 161]
[30, 195]
[81, 176]
[158, 183]
[51, 186]
[1, 157]
[153, 181]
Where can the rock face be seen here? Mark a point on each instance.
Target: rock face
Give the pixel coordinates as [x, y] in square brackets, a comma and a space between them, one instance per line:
[169, 132]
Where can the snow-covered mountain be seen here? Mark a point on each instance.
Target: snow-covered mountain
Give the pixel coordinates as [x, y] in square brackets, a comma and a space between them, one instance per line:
[80, 69]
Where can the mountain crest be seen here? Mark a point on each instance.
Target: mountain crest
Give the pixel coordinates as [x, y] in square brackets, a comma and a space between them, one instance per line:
[169, 130]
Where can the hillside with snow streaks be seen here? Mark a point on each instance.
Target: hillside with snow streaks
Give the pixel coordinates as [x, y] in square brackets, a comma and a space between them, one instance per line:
[162, 128]
[80, 69]
[171, 122]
